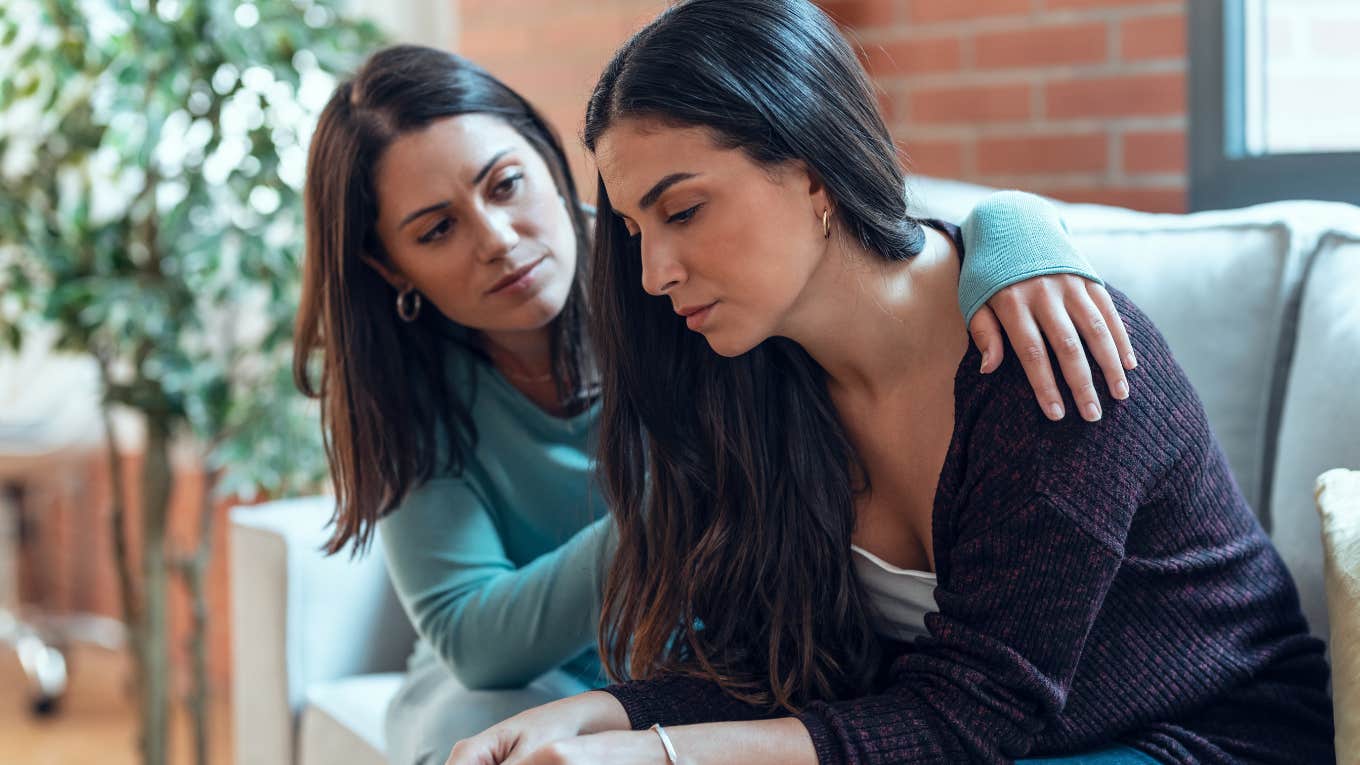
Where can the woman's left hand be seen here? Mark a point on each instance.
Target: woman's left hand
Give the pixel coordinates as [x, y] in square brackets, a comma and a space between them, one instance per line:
[1066, 309]
[609, 748]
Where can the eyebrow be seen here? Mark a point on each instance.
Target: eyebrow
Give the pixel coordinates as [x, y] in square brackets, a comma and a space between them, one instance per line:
[650, 197]
[441, 205]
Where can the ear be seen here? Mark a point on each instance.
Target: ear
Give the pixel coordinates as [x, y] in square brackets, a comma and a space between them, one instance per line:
[818, 196]
[388, 273]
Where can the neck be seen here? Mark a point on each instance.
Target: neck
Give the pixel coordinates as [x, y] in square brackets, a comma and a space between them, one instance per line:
[875, 324]
[524, 354]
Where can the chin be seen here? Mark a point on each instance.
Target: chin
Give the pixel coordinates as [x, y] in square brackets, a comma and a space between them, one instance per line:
[728, 346]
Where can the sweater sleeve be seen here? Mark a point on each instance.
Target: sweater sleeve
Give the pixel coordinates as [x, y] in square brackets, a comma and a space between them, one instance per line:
[1009, 237]
[494, 624]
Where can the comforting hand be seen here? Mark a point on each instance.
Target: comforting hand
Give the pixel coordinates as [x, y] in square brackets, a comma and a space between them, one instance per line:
[1066, 309]
[529, 731]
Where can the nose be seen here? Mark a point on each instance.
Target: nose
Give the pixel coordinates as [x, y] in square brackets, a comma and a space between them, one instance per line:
[496, 234]
[661, 271]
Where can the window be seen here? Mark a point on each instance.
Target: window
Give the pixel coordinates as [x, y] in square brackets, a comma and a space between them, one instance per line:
[1275, 101]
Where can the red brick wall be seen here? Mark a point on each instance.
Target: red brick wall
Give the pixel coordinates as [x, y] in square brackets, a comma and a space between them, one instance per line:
[1081, 99]
[552, 52]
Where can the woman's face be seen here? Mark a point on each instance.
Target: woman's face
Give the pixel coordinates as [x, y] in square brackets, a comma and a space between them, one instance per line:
[731, 243]
[469, 215]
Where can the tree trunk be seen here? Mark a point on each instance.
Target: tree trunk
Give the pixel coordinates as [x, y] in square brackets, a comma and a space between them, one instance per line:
[194, 569]
[155, 662]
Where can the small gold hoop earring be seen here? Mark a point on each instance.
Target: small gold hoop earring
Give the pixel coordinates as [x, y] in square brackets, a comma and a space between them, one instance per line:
[408, 310]
[826, 223]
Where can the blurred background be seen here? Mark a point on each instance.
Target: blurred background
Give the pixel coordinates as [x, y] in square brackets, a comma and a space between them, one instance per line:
[150, 240]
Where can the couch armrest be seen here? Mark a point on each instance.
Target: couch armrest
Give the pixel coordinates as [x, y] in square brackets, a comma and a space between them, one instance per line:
[1338, 502]
[299, 617]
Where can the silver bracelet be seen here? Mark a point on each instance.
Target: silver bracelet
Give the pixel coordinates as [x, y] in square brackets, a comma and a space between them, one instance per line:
[671, 757]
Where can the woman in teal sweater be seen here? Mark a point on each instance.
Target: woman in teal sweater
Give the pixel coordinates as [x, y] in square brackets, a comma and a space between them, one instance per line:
[442, 329]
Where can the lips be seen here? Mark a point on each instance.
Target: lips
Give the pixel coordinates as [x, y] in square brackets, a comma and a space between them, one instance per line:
[696, 315]
[689, 311]
[514, 276]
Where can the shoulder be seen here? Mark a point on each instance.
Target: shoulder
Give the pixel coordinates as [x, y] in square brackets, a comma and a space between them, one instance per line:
[1122, 455]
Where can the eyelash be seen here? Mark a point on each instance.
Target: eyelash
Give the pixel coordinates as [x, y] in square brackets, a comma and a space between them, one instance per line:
[680, 218]
[684, 216]
[510, 184]
[435, 233]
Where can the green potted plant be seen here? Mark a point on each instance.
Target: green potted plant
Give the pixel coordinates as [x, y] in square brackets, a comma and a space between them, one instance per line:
[152, 156]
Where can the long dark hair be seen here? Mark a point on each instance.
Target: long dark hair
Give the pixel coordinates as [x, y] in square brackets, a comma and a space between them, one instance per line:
[732, 480]
[387, 409]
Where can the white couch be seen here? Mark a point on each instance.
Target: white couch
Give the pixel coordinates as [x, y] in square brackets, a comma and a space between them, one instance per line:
[1261, 306]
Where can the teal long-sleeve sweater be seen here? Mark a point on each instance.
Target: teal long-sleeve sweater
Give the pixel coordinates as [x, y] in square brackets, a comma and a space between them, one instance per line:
[501, 568]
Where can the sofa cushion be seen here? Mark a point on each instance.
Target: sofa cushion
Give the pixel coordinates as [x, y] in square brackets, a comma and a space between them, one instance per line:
[1338, 505]
[1320, 419]
[343, 721]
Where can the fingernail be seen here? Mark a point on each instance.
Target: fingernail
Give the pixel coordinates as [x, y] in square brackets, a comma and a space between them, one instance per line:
[1092, 412]
[1130, 361]
[985, 358]
[1055, 412]
[1121, 389]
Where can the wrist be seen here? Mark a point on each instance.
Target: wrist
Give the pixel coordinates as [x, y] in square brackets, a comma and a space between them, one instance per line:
[600, 711]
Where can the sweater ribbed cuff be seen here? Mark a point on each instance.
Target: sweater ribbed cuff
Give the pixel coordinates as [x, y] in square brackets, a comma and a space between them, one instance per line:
[1009, 237]
[823, 739]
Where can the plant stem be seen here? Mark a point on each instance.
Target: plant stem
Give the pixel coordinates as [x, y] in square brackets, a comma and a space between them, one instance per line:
[156, 481]
[194, 569]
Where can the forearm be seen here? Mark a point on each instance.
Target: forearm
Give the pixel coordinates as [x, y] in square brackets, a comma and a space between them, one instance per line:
[543, 614]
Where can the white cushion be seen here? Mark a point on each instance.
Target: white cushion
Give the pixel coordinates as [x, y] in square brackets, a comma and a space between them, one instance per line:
[1338, 504]
[299, 619]
[343, 721]
[1320, 422]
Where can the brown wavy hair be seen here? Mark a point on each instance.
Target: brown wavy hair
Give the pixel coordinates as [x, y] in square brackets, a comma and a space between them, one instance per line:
[732, 480]
[388, 413]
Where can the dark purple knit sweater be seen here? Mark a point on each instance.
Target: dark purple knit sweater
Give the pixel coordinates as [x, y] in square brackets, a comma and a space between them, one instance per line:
[1097, 583]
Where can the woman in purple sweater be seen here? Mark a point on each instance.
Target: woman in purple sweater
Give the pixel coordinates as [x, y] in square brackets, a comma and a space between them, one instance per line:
[839, 542]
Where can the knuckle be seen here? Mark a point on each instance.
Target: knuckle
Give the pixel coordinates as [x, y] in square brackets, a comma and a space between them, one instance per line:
[1010, 298]
[1033, 352]
[1070, 344]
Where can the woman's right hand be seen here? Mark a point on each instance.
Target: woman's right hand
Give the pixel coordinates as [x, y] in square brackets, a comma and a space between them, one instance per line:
[586, 713]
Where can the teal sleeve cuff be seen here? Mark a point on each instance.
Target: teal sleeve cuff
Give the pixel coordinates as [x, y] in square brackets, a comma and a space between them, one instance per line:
[1009, 237]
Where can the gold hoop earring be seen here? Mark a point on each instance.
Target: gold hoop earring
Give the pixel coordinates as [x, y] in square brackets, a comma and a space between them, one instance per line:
[826, 223]
[408, 313]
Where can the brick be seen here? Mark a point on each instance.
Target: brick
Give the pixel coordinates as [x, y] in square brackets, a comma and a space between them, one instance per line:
[976, 103]
[1043, 46]
[1081, 5]
[1073, 153]
[860, 14]
[918, 56]
[942, 159]
[928, 11]
[1130, 96]
[1153, 37]
[1160, 151]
